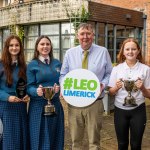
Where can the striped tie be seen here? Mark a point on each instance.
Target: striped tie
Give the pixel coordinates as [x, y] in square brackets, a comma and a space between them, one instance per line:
[85, 60]
[46, 61]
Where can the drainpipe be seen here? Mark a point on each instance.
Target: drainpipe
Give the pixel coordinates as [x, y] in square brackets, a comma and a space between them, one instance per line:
[144, 34]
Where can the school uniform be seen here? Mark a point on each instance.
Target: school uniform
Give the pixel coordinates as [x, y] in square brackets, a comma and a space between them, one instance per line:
[13, 115]
[45, 132]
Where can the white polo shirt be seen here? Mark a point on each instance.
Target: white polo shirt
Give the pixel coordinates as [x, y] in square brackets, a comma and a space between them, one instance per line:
[125, 72]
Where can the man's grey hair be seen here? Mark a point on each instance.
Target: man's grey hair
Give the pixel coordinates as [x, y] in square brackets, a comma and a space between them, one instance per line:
[85, 26]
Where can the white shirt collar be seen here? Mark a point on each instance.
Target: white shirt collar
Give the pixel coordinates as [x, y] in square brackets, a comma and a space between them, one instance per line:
[133, 67]
[14, 61]
[82, 50]
[41, 58]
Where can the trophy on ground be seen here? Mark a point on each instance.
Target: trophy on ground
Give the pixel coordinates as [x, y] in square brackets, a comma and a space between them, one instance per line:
[129, 100]
[48, 94]
[21, 88]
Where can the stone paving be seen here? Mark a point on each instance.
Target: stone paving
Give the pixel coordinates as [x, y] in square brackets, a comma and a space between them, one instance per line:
[108, 137]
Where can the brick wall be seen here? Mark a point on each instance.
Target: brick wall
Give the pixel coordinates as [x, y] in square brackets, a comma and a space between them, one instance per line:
[129, 4]
[115, 15]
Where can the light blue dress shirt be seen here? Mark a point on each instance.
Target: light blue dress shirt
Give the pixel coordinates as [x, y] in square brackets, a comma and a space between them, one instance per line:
[99, 62]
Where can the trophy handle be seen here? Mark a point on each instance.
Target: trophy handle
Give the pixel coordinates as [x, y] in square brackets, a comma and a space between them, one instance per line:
[121, 80]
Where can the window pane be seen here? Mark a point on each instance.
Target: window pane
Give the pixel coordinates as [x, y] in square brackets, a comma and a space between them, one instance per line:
[110, 30]
[29, 55]
[30, 42]
[6, 33]
[110, 42]
[63, 54]
[101, 34]
[101, 41]
[67, 41]
[119, 43]
[31, 30]
[55, 41]
[101, 29]
[111, 53]
[56, 53]
[138, 33]
[49, 29]
[121, 31]
[67, 28]
[130, 31]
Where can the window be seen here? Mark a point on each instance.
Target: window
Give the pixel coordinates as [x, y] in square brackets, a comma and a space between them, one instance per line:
[120, 36]
[67, 37]
[6, 33]
[111, 36]
[101, 34]
[130, 32]
[52, 31]
[31, 35]
[110, 33]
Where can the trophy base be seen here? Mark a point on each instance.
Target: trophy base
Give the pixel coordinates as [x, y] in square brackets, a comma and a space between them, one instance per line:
[49, 110]
[129, 102]
[129, 105]
[50, 114]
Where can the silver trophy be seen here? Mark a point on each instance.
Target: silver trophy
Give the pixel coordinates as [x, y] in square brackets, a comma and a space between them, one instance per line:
[48, 94]
[129, 100]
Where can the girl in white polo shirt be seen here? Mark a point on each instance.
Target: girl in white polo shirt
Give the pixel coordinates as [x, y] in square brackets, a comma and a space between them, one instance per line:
[131, 118]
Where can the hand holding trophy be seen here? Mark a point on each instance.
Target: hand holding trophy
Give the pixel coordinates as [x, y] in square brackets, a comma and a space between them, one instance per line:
[48, 94]
[129, 100]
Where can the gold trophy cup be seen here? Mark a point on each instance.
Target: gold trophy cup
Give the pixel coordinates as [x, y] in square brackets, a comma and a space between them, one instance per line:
[48, 94]
[129, 100]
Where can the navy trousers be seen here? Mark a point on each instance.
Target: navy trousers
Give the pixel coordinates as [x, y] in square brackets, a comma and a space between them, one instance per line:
[130, 126]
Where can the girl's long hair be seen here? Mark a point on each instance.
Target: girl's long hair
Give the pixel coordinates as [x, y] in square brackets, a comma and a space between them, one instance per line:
[36, 52]
[7, 60]
[121, 58]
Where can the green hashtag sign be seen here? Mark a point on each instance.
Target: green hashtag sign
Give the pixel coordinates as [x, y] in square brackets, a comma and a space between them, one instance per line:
[68, 83]
[83, 84]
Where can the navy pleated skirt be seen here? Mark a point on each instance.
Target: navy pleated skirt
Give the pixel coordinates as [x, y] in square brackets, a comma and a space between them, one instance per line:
[46, 132]
[14, 119]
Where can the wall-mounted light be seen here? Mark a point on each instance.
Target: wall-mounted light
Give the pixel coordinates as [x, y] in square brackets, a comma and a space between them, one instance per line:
[20, 1]
[144, 16]
[128, 16]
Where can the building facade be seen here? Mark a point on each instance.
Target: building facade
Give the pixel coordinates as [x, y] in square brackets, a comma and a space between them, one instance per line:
[48, 17]
[141, 6]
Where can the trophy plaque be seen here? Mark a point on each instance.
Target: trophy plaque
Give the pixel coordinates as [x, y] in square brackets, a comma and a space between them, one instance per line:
[48, 94]
[21, 88]
[129, 100]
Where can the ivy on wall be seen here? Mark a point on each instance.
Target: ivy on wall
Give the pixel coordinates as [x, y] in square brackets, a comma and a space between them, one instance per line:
[16, 30]
[14, 27]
